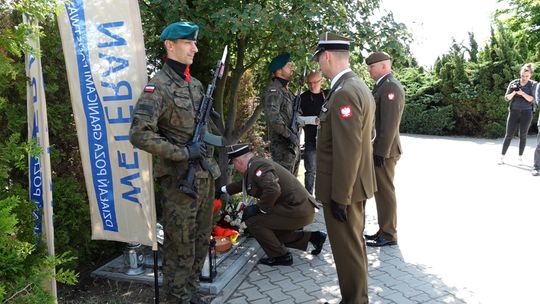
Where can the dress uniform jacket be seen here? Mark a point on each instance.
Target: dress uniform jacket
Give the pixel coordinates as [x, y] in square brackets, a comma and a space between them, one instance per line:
[278, 191]
[286, 207]
[345, 174]
[390, 99]
[278, 106]
[345, 171]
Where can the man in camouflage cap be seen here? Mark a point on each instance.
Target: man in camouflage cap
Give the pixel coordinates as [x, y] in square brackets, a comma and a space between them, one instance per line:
[163, 124]
[345, 173]
[278, 106]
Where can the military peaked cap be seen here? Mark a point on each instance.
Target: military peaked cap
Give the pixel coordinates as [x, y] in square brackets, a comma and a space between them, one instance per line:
[180, 30]
[279, 61]
[331, 42]
[233, 151]
[376, 57]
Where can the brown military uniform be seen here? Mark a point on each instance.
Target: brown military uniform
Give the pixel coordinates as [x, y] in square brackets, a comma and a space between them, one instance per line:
[287, 205]
[278, 106]
[163, 122]
[345, 174]
[390, 99]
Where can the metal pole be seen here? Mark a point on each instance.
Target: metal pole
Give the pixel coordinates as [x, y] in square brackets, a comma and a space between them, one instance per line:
[156, 278]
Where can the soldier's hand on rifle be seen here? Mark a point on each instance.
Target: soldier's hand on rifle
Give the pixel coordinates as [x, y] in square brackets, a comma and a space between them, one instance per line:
[196, 150]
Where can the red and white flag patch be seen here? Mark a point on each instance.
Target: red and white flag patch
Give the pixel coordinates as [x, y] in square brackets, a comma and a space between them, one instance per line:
[391, 96]
[258, 173]
[150, 88]
[345, 112]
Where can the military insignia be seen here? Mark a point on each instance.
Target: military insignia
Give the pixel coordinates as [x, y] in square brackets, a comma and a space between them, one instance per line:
[391, 96]
[149, 88]
[273, 90]
[258, 173]
[345, 112]
[324, 109]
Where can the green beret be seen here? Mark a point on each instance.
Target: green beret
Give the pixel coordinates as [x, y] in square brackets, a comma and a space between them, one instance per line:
[376, 57]
[180, 30]
[278, 62]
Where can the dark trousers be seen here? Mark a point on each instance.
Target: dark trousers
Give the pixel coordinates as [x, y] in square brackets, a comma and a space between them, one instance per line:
[521, 119]
[537, 152]
[385, 198]
[310, 164]
[349, 250]
[276, 233]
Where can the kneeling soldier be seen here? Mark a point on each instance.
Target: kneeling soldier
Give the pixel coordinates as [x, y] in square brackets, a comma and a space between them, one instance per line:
[284, 206]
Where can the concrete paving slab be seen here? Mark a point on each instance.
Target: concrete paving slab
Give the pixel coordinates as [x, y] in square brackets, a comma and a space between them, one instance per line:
[467, 230]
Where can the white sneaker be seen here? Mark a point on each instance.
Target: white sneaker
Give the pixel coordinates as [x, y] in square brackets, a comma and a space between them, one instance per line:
[501, 161]
[535, 172]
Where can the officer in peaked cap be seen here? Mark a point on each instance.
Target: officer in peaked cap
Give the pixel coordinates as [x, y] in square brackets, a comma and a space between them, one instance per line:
[390, 100]
[345, 173]
[331, 42]
[174, 94]
[234, 151]
[283, 208]
[278, 104]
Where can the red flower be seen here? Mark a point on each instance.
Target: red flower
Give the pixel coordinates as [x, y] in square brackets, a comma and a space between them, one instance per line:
[217, 205]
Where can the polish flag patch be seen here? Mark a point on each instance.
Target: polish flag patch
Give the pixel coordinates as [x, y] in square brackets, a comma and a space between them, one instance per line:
[258, 173]
[345, 112]
[391, 96]
[149, 88]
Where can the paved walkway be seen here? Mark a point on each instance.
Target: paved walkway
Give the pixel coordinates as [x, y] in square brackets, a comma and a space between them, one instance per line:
[468, 233]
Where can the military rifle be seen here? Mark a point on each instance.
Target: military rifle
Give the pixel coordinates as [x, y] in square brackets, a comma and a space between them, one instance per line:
[296, 109]
[188, 185]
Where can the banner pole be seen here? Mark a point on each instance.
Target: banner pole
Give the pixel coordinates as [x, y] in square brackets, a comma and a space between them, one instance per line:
[156, 278]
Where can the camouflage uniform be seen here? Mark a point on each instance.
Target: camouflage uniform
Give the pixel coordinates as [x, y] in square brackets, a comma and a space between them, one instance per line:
[278, 105]
[163, 122]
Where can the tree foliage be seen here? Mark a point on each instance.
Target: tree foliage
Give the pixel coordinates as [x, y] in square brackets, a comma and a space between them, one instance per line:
[256, 31]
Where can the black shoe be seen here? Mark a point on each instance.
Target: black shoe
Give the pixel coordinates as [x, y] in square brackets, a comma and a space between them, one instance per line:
[285, 260]
[371, 237]
[380, 242]
[317, 238]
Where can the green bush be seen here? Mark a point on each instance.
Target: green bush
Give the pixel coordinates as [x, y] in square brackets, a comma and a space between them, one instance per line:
[418, 119]
[23, 266]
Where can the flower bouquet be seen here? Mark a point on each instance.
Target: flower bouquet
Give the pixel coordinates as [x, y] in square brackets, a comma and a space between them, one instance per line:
[229, 224]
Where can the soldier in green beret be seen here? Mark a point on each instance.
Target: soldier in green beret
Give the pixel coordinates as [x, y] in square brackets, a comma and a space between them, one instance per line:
[345, 173]
[390, 100]
[163, 124]
[278, 106]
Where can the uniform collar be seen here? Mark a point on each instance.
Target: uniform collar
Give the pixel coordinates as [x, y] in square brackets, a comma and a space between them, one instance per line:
[381, 79]
[338, 76]
[179, 68]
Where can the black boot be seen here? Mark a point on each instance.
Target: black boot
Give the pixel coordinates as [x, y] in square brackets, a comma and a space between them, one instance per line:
[317, 238]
